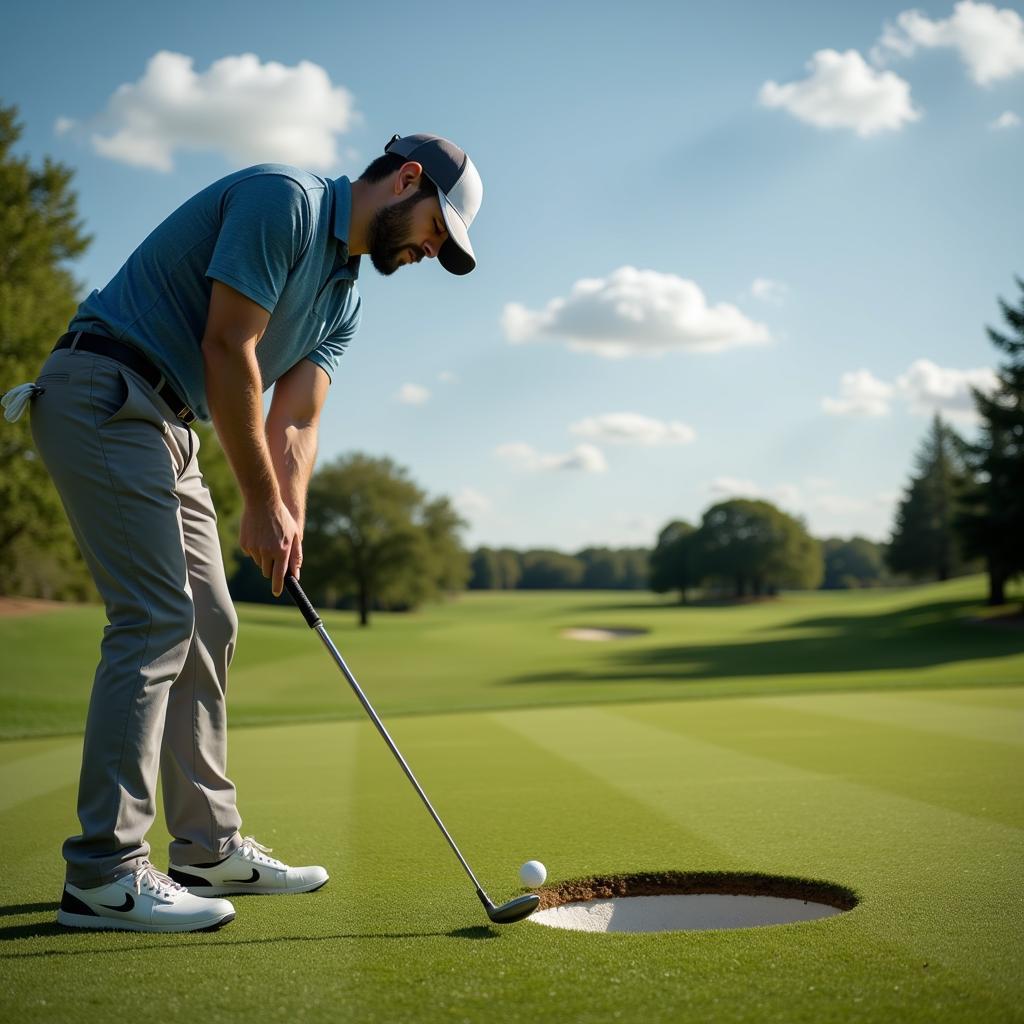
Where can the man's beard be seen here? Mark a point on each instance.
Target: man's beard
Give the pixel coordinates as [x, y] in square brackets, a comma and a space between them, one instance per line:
[389, 235]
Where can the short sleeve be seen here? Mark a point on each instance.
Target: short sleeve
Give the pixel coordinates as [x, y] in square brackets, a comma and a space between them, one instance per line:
[328, 353]
[265, 226]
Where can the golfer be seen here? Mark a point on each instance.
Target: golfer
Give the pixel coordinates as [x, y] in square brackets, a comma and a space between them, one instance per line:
[250, 283]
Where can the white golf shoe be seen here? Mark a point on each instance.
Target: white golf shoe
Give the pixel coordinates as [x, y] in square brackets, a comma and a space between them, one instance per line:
[145, 900]
[247, 870]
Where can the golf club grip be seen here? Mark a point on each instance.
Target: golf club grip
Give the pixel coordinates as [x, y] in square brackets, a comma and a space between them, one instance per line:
[298, 595]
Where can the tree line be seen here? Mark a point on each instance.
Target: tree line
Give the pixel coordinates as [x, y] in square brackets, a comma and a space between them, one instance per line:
[593, 568]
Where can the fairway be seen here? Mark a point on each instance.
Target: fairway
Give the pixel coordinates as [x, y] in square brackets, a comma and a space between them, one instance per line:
[874, 740]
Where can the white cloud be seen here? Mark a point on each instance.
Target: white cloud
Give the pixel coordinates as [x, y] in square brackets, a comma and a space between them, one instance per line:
[412, 394]
[929, 388]
[925, 388]
[785, 496]
[447, 377]
[826, 510]
[1007, 119]
[731, 487]
[248, 111]
[585, 458]
[470, 502]
[860, 394]
[769, 291]
[843, 91]
[633, 428]
[989, 40]
[635, 312]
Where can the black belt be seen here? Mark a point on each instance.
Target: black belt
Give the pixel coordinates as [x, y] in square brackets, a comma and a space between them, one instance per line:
[134, 360]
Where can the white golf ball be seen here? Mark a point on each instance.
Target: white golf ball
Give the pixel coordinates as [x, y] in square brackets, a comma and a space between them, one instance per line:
[533, 873]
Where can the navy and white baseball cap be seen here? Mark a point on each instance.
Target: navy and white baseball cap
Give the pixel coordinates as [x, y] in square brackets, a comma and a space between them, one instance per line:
[459, 189]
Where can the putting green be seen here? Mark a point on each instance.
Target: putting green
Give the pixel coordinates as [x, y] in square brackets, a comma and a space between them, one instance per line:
[910, 797]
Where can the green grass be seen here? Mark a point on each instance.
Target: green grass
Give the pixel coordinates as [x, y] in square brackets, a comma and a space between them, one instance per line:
[873, 740]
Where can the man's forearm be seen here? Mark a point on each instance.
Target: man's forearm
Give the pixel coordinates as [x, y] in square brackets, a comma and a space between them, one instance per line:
[234, 394]
[292, 448]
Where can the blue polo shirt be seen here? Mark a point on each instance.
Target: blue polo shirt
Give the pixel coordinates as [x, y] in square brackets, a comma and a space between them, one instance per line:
[274, 233]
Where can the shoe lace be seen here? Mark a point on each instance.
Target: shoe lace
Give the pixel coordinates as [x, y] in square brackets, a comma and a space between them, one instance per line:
[156, 882]
[254, 851]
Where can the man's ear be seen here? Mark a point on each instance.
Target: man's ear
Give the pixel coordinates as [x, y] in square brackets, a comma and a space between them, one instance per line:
[408, 177]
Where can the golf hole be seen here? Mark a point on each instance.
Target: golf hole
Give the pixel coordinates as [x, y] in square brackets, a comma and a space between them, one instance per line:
[677, 901]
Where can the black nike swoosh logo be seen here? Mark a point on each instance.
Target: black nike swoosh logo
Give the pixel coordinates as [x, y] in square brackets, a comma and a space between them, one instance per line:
[129, 904]
[255, 878]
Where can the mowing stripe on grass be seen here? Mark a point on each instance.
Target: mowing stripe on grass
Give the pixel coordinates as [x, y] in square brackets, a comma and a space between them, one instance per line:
[991, 725]
[28, 778]
[935, 768]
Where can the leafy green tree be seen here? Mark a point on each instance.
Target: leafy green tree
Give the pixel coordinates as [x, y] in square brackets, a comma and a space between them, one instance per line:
[924, 542]
[372, 534]
[756, 548]
[991, 519]
[673, 560]
[857, 562]
[39, 232]
[446, 561]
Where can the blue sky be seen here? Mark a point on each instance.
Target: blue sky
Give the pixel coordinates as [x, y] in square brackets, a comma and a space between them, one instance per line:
[729, 249]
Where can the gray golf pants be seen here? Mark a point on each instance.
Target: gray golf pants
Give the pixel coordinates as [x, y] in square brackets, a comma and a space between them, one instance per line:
[126, 471]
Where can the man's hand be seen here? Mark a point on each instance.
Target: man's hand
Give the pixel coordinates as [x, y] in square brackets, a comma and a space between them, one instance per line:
[273, 540]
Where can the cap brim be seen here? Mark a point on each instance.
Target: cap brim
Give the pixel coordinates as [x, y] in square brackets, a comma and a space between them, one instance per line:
[456, 255]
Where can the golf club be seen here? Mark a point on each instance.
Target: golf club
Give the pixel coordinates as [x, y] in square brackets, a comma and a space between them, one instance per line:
[515, 909]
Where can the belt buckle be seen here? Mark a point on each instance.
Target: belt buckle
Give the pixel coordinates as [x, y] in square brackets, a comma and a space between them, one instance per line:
[185, 414]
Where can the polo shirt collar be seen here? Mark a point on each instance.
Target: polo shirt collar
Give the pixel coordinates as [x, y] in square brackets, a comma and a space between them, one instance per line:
[342, 188]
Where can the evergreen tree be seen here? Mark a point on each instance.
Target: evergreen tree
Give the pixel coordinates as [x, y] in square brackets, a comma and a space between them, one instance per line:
[991, 517]
[39, 232]
[924, 543]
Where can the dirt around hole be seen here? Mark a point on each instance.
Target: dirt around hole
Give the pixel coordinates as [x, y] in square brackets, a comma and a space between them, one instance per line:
[690, 883]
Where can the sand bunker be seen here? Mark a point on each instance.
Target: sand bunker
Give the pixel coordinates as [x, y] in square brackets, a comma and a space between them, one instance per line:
[593, 633]
[688, 902]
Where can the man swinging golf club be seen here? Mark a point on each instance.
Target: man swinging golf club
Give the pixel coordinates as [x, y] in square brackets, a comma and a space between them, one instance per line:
[252, 282]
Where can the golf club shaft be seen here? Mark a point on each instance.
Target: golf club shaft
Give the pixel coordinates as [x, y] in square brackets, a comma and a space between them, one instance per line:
[315, 622]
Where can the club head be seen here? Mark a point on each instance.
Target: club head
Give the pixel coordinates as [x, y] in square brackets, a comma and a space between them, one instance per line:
[514, 910]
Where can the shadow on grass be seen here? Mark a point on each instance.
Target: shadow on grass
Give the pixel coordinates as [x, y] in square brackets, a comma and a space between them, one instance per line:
[151, 941]
[17, 909]
[911, 638]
